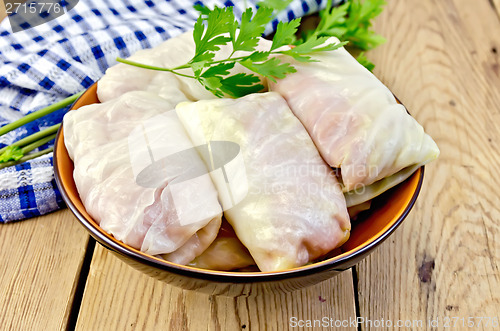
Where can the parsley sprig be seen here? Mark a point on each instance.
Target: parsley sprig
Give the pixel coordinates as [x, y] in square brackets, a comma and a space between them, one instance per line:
[352, 22]
[23, 150]
[218, 27]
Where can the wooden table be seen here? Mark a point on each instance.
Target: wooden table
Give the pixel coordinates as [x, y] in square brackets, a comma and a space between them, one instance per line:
[442, 59]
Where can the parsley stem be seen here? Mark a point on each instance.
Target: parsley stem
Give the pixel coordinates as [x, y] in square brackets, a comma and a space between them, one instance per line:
[28, 148]
[39, 113]
[147, 66]
[34, 137]
[207, 64]
[184, 66]
[187, 65]
[234, 59]
[26, 158]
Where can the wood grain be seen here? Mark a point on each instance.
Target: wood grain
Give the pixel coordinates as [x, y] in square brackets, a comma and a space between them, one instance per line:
[442, 61]
[40, 261]
[3, 14]
[117, 297]
[496, 6]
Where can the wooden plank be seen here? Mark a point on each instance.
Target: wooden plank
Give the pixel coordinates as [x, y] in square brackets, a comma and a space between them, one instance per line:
[118, 297]
[40, 261]
[3, 14]
[442, 61]
[496, 6]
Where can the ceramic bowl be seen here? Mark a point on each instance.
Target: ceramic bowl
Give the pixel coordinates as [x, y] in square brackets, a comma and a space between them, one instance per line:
[368, 231]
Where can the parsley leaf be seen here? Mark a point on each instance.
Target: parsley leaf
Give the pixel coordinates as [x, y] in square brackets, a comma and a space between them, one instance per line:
[220, 69]
[251, 29]
[312, 45]
[365, 62]
[257, 56]
[276, 5]
[202, 9]
[212, 77]
[241, 84]
[209, 37]
[285, 33]
[272, 68]
[217, 27]
[352, 22]
[11, 153]
[333, 20]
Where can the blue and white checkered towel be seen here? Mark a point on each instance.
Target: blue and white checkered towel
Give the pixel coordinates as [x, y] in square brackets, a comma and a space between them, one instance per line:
[46, 63]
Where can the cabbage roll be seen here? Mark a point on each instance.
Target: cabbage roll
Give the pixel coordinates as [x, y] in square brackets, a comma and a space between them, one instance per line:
[283, 201]
[366, 193]
[225, 253]
[174, 52]
[132, 181]
[355, 210]
[354, 120]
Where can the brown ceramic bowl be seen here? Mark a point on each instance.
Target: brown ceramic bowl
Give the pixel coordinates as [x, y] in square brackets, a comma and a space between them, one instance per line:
[370, 230]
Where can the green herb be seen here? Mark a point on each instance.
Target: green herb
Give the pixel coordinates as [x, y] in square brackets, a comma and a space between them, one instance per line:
[219, 27]
[275, 5]
[365, 62]
[285, 34]
[11, 153]
[350, 22]
[18, 151]
[311, 46]
[32, 138]
[26, 158]
[39, 113]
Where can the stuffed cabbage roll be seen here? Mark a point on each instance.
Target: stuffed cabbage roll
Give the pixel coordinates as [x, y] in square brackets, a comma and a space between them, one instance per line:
[140, 178]
[354, 120]
[283, 201]
[225, 253]
[363, 194]
[174, 52]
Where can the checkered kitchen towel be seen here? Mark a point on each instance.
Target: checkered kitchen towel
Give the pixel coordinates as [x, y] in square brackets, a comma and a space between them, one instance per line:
[46, 63]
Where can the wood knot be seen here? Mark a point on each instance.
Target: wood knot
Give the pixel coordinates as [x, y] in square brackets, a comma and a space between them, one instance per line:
[425, 271]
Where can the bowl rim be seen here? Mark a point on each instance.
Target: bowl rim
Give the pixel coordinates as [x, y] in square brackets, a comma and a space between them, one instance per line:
[333, 263]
